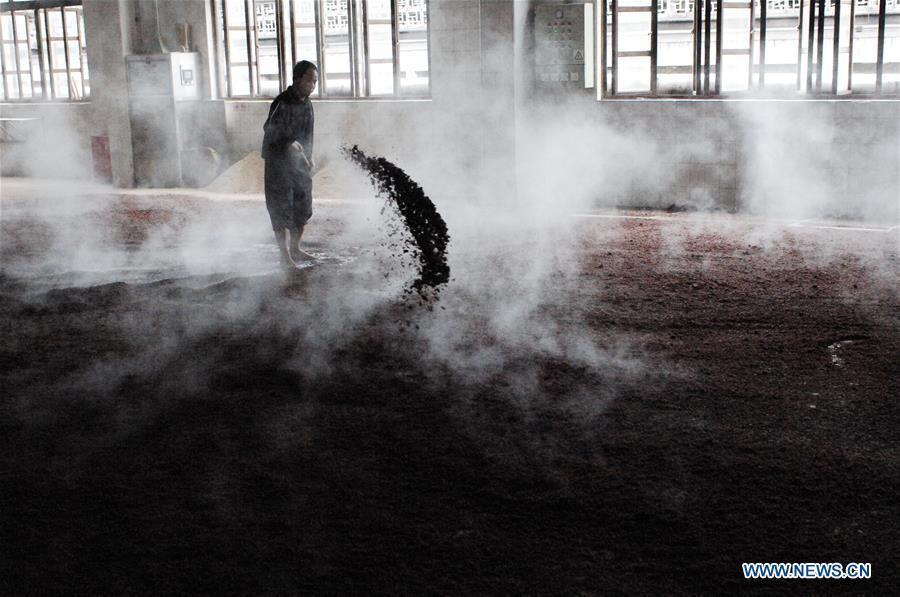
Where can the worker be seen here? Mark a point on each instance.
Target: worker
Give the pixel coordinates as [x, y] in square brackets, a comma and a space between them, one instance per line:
[288, 153]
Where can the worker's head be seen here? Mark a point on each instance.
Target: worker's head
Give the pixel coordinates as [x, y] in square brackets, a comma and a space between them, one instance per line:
[306, 75]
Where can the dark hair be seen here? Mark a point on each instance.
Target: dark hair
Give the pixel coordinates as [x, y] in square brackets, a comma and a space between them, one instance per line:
[301, 67]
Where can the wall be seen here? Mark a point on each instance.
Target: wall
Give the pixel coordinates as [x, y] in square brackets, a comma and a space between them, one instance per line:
[777, 157]
[401, 130]
[57, 144]
[486, 134]
[787, 158]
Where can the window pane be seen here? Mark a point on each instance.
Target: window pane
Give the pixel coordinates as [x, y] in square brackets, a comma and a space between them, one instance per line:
[890, 82]
[12, 86]
[3, 28]
[865, 46]
[413, 22]
[58, 54]
[634, 74]
[9, 57]
[634, 36]
[609, 49]
[713, 34]
[241, 85]
[267, 47]
[71, 32]
[84, 65]
[844, 44]
[55, 18]
[305, 31]
[634, 31]
[782, 20]
[33, 65]
[74, 53]
[735, 73]
[21, 56]
[675, 47]
[337, 48]
[62, 85]
[735, 48]
[381, 49]
[237, 72]
[827, 49]
[324, 32]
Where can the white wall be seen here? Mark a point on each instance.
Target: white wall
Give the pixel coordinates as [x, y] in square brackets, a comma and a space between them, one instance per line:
[485, 132]
[57, 145]
[789, 158]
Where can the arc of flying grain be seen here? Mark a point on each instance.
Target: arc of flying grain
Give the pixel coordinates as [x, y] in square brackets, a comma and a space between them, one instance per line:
[418, 213]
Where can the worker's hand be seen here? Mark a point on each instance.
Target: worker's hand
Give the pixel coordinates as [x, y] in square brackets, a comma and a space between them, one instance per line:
[297, 146]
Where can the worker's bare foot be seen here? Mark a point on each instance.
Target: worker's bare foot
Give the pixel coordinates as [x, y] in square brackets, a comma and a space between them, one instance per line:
[287, 262]
[298, 254]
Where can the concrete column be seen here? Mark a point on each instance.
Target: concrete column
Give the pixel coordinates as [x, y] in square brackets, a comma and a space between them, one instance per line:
[109, 28]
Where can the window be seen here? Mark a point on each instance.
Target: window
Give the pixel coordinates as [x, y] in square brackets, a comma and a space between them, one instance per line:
[363, 48]
[683, 48]
[43, 55]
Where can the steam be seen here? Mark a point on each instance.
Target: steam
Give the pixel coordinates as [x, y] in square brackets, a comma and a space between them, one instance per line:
[52, 142]
[804, 162]
[516, 312]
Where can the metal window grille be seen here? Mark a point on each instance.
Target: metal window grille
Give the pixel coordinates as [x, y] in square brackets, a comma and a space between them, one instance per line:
[363, 48]
[43, 52]
[714, 48]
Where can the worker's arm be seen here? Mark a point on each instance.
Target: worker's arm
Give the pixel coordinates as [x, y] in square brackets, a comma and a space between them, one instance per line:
[304, 141]
[277, 132]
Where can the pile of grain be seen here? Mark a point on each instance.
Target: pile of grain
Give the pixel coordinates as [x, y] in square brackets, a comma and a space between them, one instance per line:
[246, 177]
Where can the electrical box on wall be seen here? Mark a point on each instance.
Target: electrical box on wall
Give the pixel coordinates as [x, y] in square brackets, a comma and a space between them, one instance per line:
[563, 39]
[157, 83]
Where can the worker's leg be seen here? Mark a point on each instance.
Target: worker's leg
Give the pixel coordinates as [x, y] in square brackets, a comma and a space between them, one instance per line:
[278, 202]
[283, 241]
[297, 253]
[302, 211]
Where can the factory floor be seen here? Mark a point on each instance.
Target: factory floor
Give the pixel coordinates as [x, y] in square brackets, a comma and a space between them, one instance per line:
[618, 402]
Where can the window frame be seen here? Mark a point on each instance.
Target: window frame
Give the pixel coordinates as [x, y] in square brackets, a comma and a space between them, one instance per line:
[358, 23]
[38, 10]
[811, 22]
